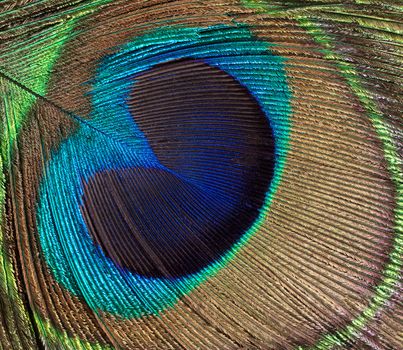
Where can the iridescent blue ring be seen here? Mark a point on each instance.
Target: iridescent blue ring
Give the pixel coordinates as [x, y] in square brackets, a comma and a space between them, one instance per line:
[112, 140]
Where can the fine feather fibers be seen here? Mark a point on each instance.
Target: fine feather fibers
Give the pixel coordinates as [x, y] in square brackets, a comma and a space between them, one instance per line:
[201, 174]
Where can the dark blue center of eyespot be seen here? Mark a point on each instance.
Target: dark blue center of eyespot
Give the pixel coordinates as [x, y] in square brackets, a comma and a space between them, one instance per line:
[216, 151]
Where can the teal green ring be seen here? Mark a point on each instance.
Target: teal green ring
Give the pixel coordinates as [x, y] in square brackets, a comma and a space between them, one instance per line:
[78, 264]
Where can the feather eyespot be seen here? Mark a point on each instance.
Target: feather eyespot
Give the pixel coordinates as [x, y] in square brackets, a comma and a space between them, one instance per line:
[200, 175]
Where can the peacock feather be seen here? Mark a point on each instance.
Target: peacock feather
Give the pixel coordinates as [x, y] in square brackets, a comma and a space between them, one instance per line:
[212, 174]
